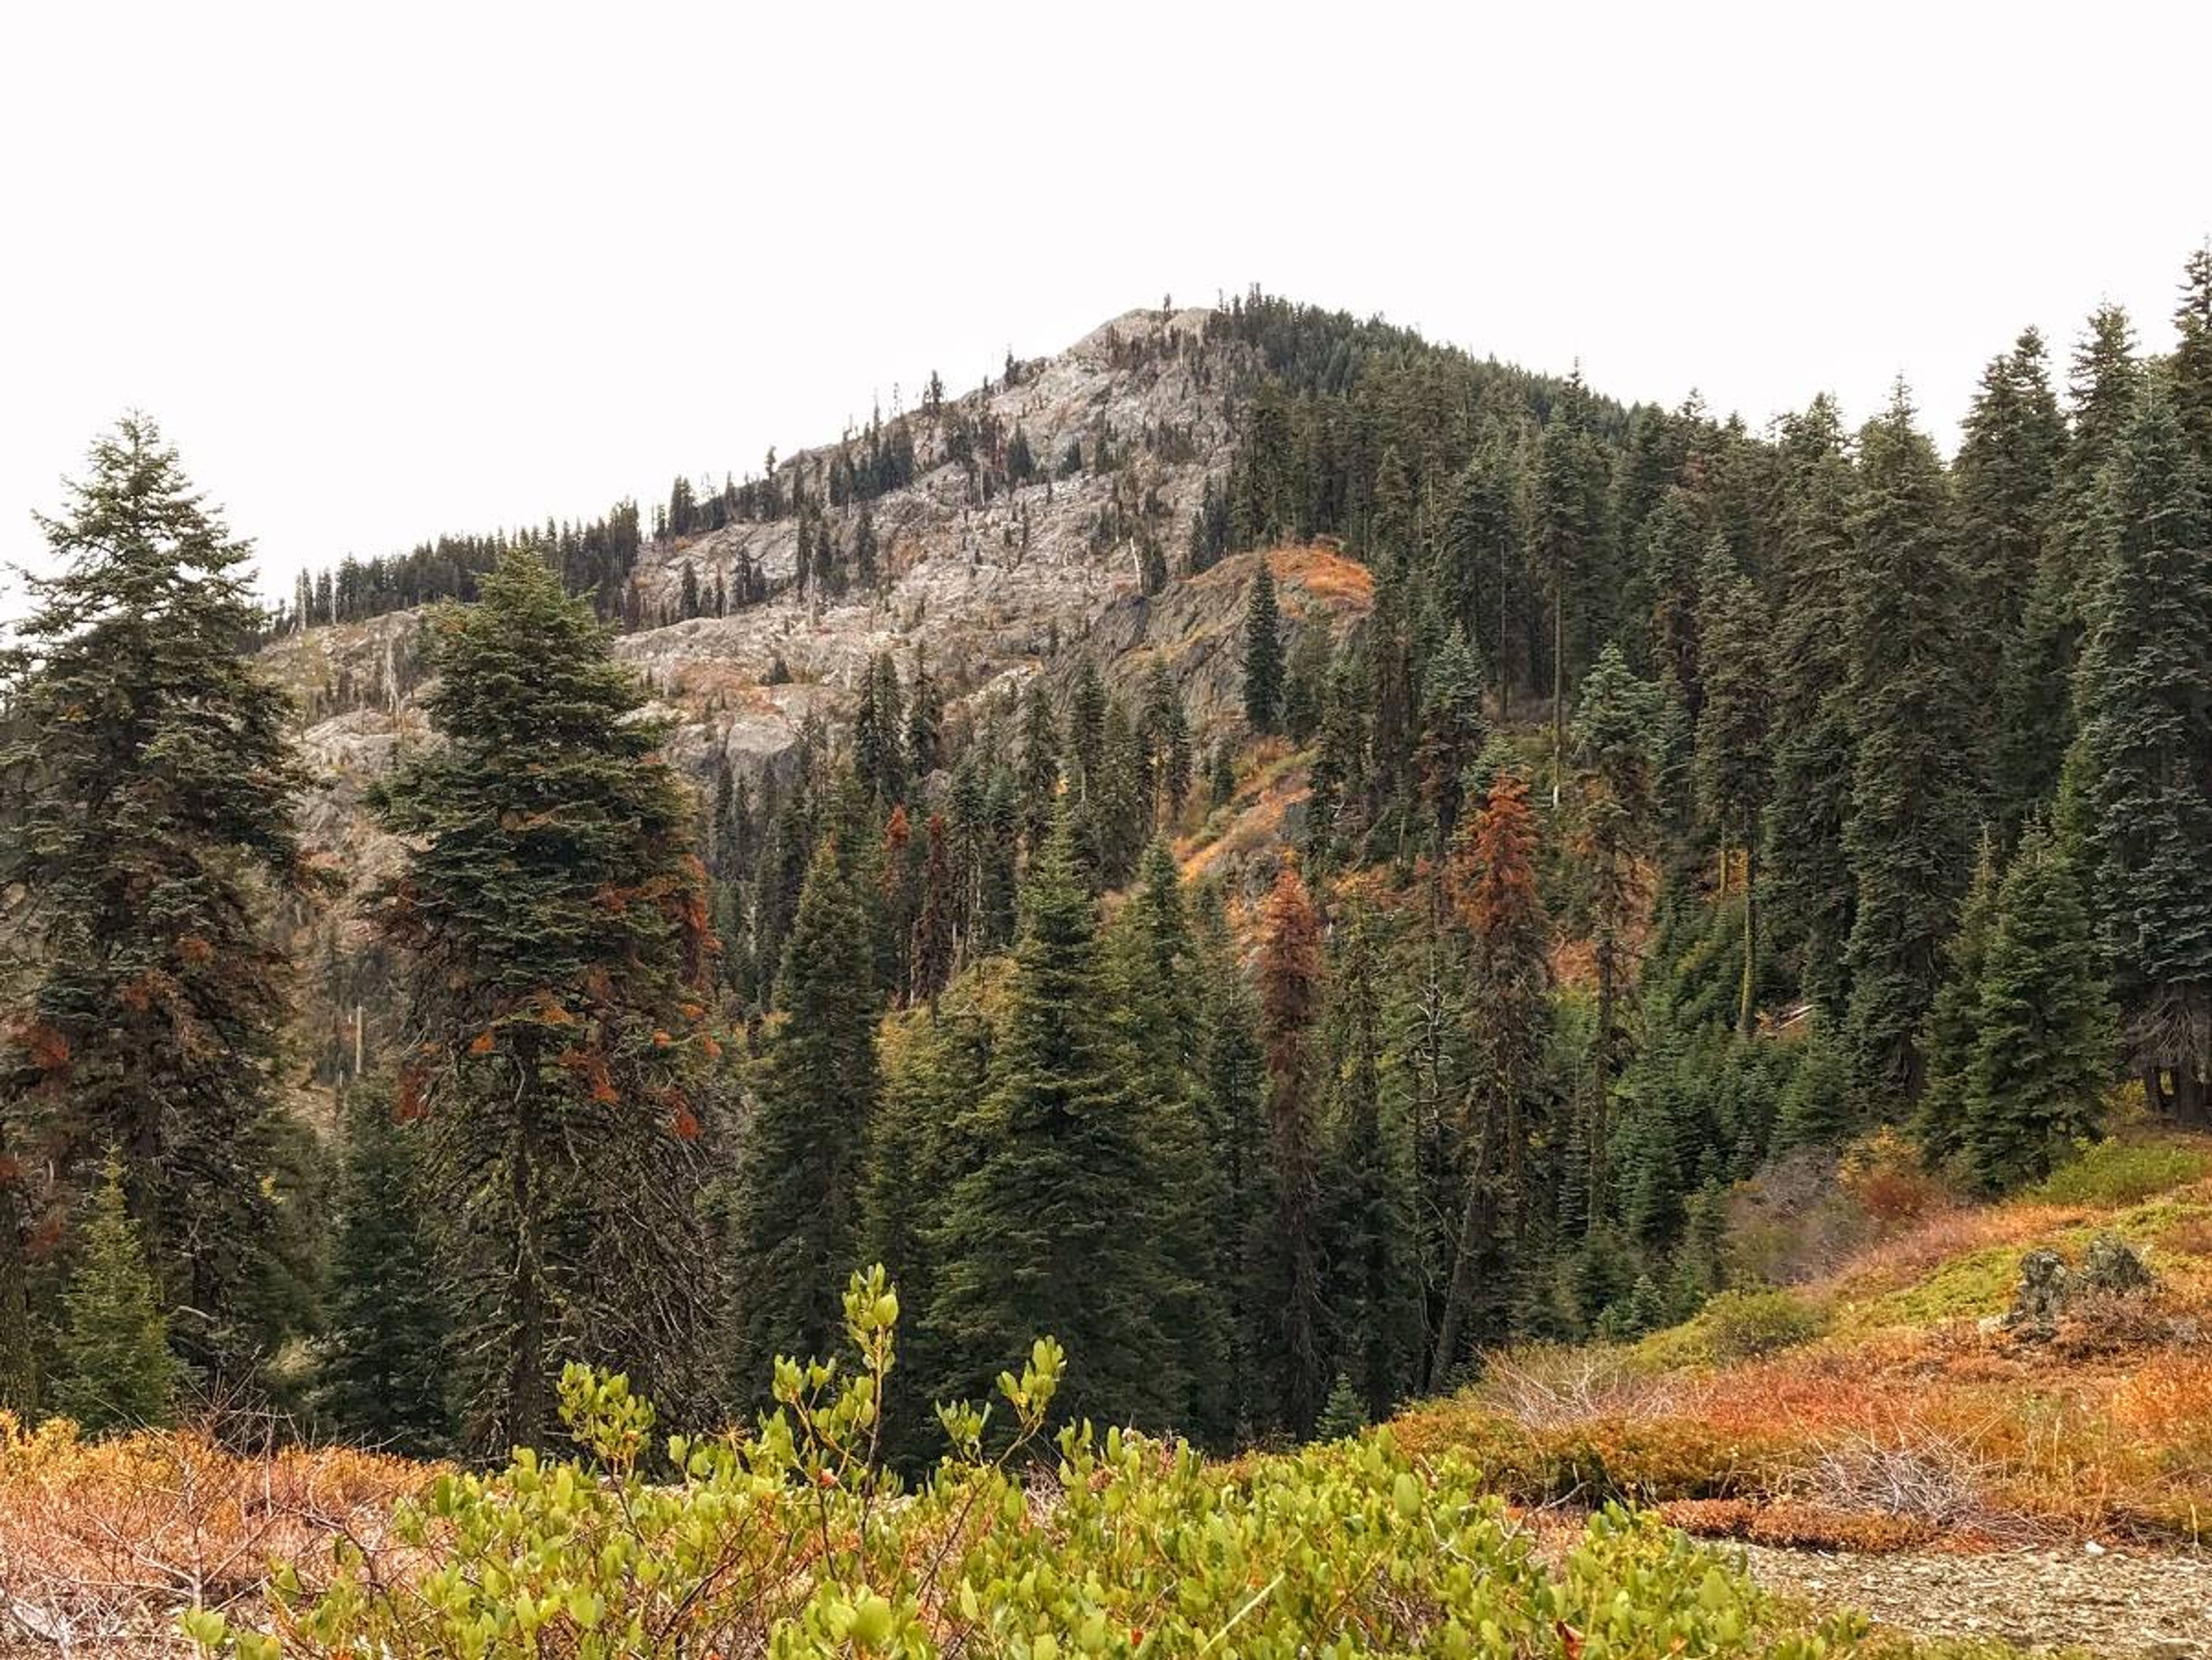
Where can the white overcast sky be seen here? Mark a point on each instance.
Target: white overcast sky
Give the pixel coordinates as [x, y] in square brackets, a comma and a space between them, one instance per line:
[382, 270]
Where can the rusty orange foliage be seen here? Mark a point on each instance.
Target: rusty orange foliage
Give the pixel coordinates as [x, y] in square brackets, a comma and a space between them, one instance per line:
[49, 1049]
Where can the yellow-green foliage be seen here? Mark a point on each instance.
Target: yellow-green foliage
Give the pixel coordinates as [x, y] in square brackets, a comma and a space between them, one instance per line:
[1738, 1325]
[2116, 1172]
[1966, 1287]
[792, 1543]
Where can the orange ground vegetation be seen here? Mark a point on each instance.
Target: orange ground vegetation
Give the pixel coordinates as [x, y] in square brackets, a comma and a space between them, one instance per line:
[1917, 1417]
[101, 1543]
[1318, 573]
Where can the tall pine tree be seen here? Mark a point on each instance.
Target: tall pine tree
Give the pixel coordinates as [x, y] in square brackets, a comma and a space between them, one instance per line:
[386, 1371]
[2043, 1053]
[553, 918]
[2146, 692]
[1263, 654]
[1057, 1228]
[1910, 838]
[156, 785]
[800, 1164]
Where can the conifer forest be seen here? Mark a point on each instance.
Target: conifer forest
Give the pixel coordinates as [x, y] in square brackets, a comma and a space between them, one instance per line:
[1469, 833]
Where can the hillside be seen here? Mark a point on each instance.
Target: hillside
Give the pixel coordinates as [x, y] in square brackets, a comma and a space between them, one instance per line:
[1884, 1432]
[987, 582]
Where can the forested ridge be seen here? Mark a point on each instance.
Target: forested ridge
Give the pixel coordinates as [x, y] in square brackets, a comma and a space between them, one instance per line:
[1688, 796]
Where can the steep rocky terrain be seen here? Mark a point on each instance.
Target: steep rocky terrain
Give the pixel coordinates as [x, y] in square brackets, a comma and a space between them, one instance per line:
[988, 581]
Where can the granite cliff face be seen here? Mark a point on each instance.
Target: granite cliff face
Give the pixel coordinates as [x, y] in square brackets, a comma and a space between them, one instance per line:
[989, 580]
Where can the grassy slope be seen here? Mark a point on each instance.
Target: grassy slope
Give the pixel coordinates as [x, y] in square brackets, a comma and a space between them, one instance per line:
[1881, 1404]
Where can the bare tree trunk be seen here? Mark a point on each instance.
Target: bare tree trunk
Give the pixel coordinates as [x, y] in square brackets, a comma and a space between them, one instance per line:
[1558, 684]
[525, 1381]
[1744, 1012]
[1475, 1225]
[19, 1377]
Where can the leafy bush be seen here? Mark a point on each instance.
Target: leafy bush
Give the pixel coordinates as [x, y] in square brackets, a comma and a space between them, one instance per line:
[1741, 1325]
[2113, 1172]
[792, 1541]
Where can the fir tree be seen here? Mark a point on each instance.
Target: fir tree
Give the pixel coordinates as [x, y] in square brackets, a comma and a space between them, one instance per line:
[1086, 731]
[1153, 977]
[115, 1372]
[1570, 525]
[157, 788]
[1509, 1004]
[1263, 662]
[386, 1373]
[936, 921]
[1290, 995]
[1065, 1197]
[1039, 763]
[878, 740]
[2189, 370]
[1371, 1249]
[1232, 1093]
[1811, 897]
[1452, 730]
[1344, 1415]
[1733, 769]
[2146, 689]
[1910, 837]
[1616, 731]
[2043, 1053]
[1955, 1021]
[1815, 1110]
[554, 921]
[924, 721]
[800, 1166]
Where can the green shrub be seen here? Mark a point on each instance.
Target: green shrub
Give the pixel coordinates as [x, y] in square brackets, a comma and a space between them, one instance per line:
[2122, 1172]
[792, 1541]
[1741, 1325]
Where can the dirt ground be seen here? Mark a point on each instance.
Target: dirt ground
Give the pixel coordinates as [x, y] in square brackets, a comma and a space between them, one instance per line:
[2117, 1605]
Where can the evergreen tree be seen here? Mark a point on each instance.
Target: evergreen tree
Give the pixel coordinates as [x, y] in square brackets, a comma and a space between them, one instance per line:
[1910, 836]
[879, 738]
[1811, 897]
[1058, 1227]
[2045, 1051]
[115, 1372]
[1570, 531]
[1086, 731]
[2145, 689]
[800, 1169]
[1815, 1110]
[1955, 1021]
[1371, 1250]
[1616, 731]
[1263, 654]
[1154, 973]
[386, 1370]
[924, 721]
[2037, 723]
[1732, 765]
[1508, 1004]
[1232, 1094]
[1344, 1415]
[920, 1146]
[1452, 730]
[2189, 370]
[2007, 475]
[1039, 761]
[554, 921]
[1289, 999]
[156, 786]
